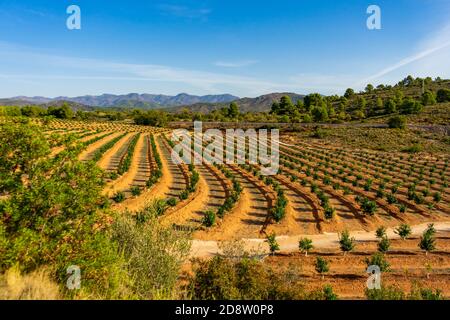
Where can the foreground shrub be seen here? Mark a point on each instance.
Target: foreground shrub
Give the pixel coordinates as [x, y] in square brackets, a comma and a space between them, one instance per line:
[385, 293]
[325, 294]
[232, 278]
[395, 293]
[37, 285]
[153, 254]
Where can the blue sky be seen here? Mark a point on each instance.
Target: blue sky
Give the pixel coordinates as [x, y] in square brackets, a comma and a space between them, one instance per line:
[245, 47]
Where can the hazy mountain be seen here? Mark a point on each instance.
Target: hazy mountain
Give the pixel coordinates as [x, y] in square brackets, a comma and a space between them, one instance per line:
[176, 103]
[134, 100]
[258, 104]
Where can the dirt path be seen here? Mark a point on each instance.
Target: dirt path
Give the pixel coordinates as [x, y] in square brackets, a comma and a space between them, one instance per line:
[89, 152]
[124, 182]
[204, 248]
[55, 151]
[299, 218]
[247, 219]
[160, 190]
[191, 214]
[111, 158]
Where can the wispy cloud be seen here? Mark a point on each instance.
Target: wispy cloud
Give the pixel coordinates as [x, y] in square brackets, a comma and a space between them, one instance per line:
[184, 11]
[431, 47]
[73, 68]
[235, 64]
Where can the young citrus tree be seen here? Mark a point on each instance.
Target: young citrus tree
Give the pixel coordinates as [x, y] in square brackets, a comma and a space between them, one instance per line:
[384, 244]
[404, 230]
[427, 240]
[322, 266]
[305, 245]
[273, 244]
[380, 232]
[346, 242]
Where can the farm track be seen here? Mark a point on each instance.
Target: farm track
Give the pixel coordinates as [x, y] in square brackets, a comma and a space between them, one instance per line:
[306, 206]
[56, 150]
[179, 182]
[89, 152]
[208, 248]
[188, 214]
[111, 159]
[139, 169]
[157, 191]
[256, 210]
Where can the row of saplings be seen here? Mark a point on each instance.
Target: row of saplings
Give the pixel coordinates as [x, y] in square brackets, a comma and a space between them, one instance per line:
[277, 212]
[209, 218]
[427, 243]
[154, 176]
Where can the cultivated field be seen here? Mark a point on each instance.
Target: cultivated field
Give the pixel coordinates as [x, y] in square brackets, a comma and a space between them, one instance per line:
[321, 189]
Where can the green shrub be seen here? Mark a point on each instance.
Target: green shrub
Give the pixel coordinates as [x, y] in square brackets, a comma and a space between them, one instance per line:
[321, 266]
[305, 244]
[184, 195]
[273, 244]
[427, 241]
[172, 202]
[404, 230]
[154, 255]
[378, 259]
[209, 218]
[380, 232]
[119, 197]
[135, 191]
[346, 243]
[385, 293]
[384, 244]
[229, 278]
[329, 212]
[397, 122]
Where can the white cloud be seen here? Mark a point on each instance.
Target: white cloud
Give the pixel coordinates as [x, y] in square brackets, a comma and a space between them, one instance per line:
[72, 68]
[184, 12]
[235, 64]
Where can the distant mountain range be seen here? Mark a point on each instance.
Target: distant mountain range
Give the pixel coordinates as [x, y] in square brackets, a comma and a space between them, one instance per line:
[176, 103]
[135, 100]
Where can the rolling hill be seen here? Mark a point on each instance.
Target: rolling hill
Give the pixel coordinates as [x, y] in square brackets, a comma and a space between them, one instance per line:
[259, 104]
